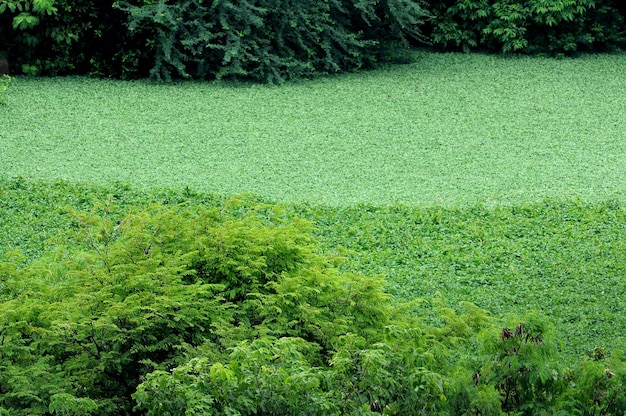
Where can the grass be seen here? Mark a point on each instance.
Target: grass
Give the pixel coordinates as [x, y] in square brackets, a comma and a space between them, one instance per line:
[465, 177]
[448, 130]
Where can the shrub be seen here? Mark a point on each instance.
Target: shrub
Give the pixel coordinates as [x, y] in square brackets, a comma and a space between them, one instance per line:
[599, 388]
[522, 368]
[232, 310]
[270, 40]
[267, 40]
[528, 26]
[165, 289]
[516, 372]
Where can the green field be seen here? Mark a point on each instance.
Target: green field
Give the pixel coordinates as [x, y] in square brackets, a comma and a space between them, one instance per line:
[462, 177]
[447, 130]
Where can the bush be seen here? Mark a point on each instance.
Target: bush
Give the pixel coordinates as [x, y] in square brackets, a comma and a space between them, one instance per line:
[528, 26]
[145, 294]
[270, 40]
[267, 40]
[599, 388]
[274, 40]
[232, 310]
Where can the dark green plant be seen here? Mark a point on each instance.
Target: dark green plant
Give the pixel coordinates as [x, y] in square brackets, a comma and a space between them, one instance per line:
[270, 40]
[68, 37]
[528, 26]
[37, 35]
[598, 388]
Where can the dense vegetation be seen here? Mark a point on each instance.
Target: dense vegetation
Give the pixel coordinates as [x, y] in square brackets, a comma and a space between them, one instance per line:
[273, 40]
[556, 27]
[265, 40]
[122, 301]
[449, 129]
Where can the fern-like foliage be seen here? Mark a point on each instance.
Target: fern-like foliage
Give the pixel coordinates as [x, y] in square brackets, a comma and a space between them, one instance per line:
[270, 40]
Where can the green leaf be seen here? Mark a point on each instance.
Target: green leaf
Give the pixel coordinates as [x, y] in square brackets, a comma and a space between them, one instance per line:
[25, 21]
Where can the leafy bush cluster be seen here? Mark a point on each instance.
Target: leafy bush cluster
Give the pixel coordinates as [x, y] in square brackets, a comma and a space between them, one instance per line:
[529, 26]
[271, 40]
[263, 40]
[232, 310]
[61, 37]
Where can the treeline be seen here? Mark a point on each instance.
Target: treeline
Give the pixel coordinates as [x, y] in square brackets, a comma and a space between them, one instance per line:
[270, 40]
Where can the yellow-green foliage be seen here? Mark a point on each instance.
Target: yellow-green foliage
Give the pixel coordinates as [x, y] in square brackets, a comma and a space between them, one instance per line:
[147, 292]
[233, 310]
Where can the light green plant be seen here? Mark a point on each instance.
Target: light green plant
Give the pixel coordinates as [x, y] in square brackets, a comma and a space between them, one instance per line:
[66, 404]
[235, 286]
[484, 134]
[5, 82]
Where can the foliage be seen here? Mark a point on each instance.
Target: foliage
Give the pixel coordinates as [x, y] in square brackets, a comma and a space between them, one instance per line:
[269, 40]
[138, 295]
[32, 41]
[230, 308]
[265, 40]
[528, 26]
[599, 388]
[563, 257]
[66, 404]
[492, 130]
[5, 82]
[517, 372]
[277, 377]
[521, 367]
[274, 40]
[66, 37]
